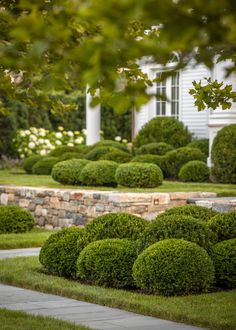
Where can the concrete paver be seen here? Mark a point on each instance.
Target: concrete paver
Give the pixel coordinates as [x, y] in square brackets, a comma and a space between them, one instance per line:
[19, 253]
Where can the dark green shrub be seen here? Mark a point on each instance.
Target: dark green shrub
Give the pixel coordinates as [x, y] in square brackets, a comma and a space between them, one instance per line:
[202, 144]
[60, 151]
[175, 159]
[29, 163]
[70, 155]
[44, 165]
[99, 173]
[14, 219]
[107, 263]
[163, 129]
[224, 259]
[194, 171]
[59, 253]
[223, 155]
[117, 156]
[144, 175]
[181, 226]
[173, 267]
[196, 211]
[68, 172]
[111, 143]
[224, 225]
[97, 152]
[148, 158]
[154, 148]
[113, 225]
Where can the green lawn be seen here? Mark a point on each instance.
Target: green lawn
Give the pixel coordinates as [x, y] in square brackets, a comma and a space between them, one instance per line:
[19, 178]
[22, 321]
[34, 238]
[212, 310]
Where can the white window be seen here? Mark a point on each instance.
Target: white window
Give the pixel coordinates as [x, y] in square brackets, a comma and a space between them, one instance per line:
[169, 89]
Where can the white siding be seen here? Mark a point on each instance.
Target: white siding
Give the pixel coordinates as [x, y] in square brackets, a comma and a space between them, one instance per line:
[141, 117]
[194, 120]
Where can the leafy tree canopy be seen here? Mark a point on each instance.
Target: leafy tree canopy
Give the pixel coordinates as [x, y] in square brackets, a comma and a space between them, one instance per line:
[48, 46]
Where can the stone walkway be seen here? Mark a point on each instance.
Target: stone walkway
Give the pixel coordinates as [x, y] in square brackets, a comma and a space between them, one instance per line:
[91, 315]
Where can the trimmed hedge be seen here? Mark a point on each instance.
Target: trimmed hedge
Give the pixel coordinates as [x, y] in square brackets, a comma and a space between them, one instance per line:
[175, 159]
[60, 151]
[113, 225]
[181, 226]
[174, 267]
[224, 225]
[97, 152]
[224, 259]
[163, 129]
[154, 148]
[44, 165]
[117, 156]
[29, 163]
[68, 171]
[148, 158]
[59, 253]
[143, 175]
[196, 211]
[223, 155]
[107, 263]
[201, 144]
[99, 173]
[194, 171]
[111, 143]
[14, 219]
[70, 155]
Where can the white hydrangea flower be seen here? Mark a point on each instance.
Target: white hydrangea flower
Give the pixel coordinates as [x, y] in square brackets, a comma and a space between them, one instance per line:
[70, 144]
[70, 133]
[27, 132]
[43, 152]
[22, 156]
[124, 141]
[58, 135]
[58, 142]
[47, 142]
[22, 133]
[34, 130]
[40, 141]
[84, 131]
[31, 145]
[79, 140]
[42, 133]
[118, 138]
[33, 137]
[60, 128]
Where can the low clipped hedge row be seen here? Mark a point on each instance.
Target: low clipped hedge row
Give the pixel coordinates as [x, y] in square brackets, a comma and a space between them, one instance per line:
[14, 219]
[172, 255]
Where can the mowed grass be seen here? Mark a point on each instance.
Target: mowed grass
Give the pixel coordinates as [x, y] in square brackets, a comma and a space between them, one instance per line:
[34, 238]
[19, 178]
[22, 321]
[212, 310]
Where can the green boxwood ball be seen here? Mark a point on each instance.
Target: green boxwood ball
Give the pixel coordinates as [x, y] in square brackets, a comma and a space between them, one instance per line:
[14, 219]
[59, 253]
[70, 155]
[44, 166]
[196, 211]
[143, 175]
[154, 148]
[68, 171]
[61, 150]
[111, 143]
[194, 171]
[174, 267]
[107, 263]
[224, 259]
[29, 163]
[97, 152]
[177, 226]
[224, 225]
[202, 144]
[99, 173]
[117, 156]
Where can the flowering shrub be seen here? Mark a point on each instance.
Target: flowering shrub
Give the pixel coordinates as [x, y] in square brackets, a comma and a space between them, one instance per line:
[41, 141]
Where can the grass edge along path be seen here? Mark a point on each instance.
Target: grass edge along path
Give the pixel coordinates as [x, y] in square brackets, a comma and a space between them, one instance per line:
[20, 320]
[212, 310]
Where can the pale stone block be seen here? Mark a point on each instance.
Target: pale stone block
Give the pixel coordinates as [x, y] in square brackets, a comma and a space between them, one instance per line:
[49, 227]
[54, 203]
[11, 197]
[44, 212]
[24, 203]
[38, 211]
[4, 199]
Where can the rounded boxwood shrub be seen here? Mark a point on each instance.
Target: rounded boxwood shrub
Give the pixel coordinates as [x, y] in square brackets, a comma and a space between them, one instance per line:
[99, 173]
[68, 171]
[196, 211]
[224, 259]
[97, 152]
[59, 253]
[113, 225]
[70, 155]
[143, 175]
[44, 165]
[60, 151]
[154, 148]
[223, 155]
[148, 158]
[14, 219]
[181, 226]
[202, 144]
[29, 163]
[163, 129]
[175, 159]
[111, 143]
[194, 171]
[224, 225]
[117, 156]
[174, 267]
[108, 263]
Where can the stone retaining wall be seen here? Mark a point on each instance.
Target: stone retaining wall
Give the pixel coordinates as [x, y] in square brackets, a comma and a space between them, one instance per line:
[57, 208]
